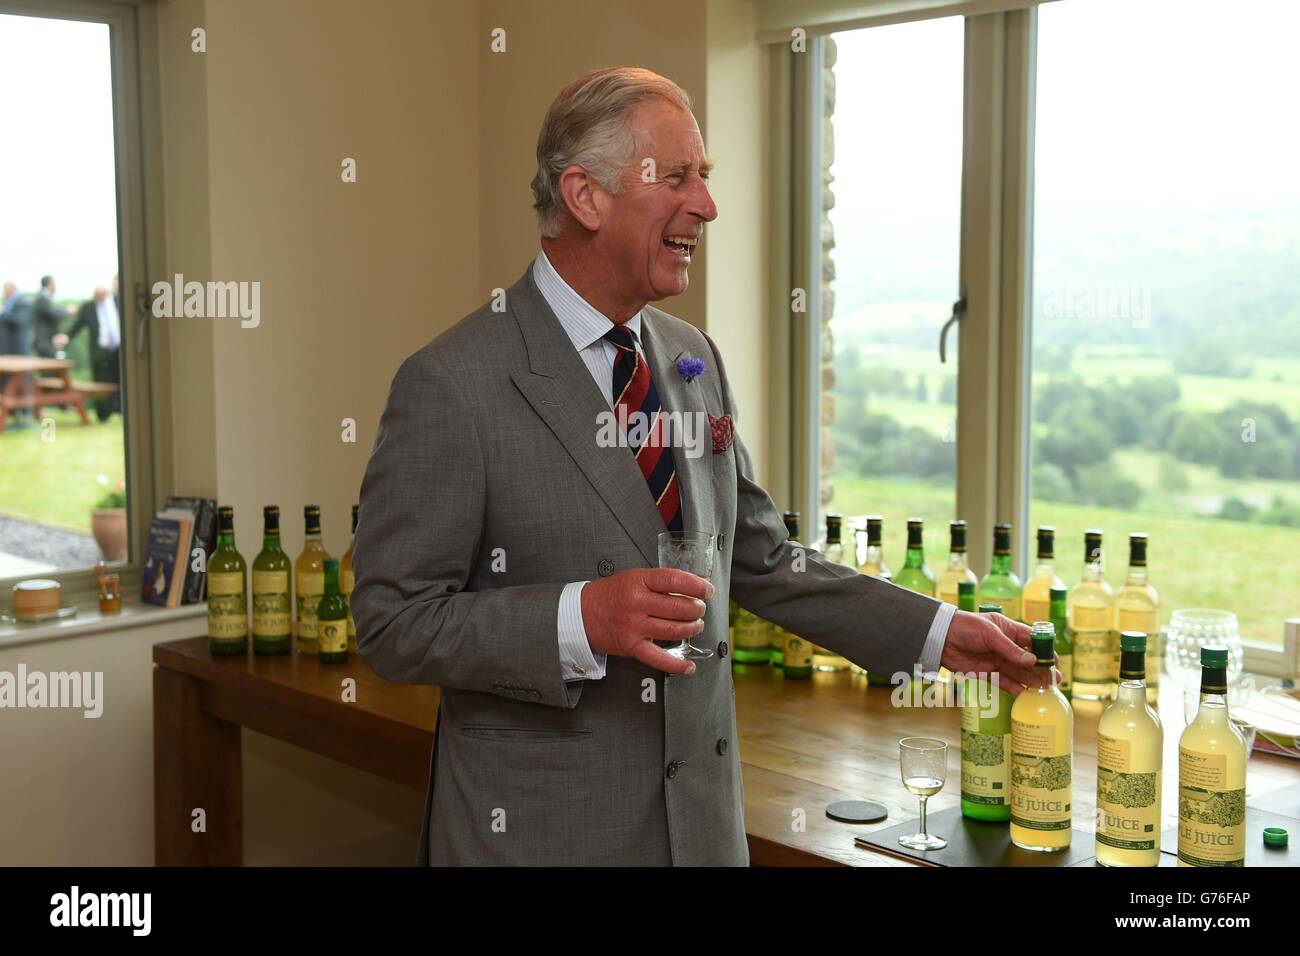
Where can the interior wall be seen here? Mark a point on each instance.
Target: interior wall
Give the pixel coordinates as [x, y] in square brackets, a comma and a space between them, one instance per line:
[353, 278]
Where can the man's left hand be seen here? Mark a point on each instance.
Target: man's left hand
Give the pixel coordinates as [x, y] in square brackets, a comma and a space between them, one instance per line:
[983, 643]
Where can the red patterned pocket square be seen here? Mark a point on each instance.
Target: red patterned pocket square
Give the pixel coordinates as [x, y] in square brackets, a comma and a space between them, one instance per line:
[723, 432]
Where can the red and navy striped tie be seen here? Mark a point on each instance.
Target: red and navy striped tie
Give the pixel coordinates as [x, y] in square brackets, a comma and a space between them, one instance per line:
[634, 391]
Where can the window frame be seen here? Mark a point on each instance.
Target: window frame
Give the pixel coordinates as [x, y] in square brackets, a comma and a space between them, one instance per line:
[137, 151]
[996, 279]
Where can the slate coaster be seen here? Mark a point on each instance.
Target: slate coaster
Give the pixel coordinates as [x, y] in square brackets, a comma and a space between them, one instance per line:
[973, 843]
[1257, 854]
[857, 811]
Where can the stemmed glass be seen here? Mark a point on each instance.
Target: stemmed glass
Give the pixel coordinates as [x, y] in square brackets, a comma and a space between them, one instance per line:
[687, 551]
[923, 762]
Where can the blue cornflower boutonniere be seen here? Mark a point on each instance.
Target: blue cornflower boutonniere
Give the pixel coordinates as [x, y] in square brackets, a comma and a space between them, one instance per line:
[691, 368]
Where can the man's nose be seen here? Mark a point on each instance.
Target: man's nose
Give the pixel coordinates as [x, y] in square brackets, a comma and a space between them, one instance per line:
[701, 202]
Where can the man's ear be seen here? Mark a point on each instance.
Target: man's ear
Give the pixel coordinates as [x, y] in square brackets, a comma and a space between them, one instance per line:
[579, 192]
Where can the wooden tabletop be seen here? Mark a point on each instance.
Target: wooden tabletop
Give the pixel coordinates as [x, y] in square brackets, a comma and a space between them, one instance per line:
[803, 743]
[17, 364]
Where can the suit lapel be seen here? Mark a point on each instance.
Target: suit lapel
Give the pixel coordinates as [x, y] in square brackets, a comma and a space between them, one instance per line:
[563, 394]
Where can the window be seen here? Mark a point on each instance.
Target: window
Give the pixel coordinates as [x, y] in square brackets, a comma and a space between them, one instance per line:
[896, 225]
[1121, 181]
[1166, 310]
[75, 386]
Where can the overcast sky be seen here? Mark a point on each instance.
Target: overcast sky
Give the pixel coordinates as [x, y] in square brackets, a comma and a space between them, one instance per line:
[58, 208]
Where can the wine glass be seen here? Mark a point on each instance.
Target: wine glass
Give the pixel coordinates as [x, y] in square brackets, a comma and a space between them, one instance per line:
[687, 551]
[923, 762]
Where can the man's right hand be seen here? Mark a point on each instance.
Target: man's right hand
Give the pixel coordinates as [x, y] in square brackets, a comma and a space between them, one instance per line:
[627, 612]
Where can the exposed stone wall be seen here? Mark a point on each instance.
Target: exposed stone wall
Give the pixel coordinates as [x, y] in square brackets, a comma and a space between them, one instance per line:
[827, 272]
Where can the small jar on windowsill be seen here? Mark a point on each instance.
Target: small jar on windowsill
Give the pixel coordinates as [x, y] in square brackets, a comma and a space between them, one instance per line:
[110, 594]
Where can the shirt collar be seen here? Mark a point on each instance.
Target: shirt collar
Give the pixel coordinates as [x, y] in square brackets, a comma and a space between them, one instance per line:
[582, 322]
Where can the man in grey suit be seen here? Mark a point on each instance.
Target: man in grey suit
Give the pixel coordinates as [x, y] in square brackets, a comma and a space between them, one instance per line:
[506, 549]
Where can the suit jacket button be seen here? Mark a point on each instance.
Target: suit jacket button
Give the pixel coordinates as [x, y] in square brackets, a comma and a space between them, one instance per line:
[722, 649]
[605, 568]
[722, 745]
[674, 767]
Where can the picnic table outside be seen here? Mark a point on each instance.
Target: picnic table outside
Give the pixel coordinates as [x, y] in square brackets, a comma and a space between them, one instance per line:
[27, 389]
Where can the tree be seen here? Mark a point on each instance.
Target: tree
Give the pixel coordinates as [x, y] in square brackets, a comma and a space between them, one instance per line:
[1196, 439]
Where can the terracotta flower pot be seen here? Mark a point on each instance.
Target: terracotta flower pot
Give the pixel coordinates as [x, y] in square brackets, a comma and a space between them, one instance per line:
[109, 527]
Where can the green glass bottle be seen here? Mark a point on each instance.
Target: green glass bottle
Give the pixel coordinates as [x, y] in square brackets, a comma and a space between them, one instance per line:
[985, 739]
[1000, 585]
[1059, 595]
[227, 591]
[823, 658]
[796, 653]
[332, 618]
[966, 595]
[749, 640]
[915, 575]
[272, 598]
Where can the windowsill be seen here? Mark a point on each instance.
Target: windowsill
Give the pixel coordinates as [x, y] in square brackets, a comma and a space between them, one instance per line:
[88, 621]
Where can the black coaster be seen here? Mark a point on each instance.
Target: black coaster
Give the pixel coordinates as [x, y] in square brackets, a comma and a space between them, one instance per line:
[973, 843]
[857, 811]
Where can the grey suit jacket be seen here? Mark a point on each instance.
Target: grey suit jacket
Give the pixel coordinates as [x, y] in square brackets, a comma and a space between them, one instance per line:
[485, 493]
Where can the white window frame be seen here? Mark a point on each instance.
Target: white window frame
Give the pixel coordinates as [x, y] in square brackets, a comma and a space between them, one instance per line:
[996, 276]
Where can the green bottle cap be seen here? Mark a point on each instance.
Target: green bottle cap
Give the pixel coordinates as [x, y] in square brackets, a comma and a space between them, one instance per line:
[965, 587]
[331, 564]
[990, 608]
[1133, 641]
[1059, 592]
[1214, 655]
[1275, 836]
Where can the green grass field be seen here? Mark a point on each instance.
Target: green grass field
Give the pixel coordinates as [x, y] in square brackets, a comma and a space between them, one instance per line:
[55, 482]
[1194, 562]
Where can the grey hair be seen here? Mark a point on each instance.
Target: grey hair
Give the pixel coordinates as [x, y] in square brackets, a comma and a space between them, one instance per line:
[588, 126]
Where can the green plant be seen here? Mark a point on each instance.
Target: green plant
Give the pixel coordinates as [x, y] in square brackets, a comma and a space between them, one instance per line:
[113, 499]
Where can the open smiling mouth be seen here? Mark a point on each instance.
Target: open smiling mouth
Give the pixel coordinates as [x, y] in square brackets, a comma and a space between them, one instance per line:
[681, 246]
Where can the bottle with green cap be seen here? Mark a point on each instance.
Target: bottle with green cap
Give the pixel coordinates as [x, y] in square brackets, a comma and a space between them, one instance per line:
[1130, 747]
[1212, 775]
[332, 618]
[1042, 751]
[915, 574]
[985, 735]
[1000, 585]
[1059, 594]
[227, 590]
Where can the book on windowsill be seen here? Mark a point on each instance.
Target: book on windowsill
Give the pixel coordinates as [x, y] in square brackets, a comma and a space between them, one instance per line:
[205, 536]
[167, 558]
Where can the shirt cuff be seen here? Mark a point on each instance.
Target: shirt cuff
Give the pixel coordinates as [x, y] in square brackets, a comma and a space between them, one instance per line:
[932, 651]
[577, 662]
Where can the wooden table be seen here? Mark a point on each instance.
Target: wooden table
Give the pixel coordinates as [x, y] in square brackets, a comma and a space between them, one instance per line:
[20, 368]
[803, 744]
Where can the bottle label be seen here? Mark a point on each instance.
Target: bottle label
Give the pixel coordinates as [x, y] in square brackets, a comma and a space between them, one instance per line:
[1128, 805]
[1092, 657]
[311, 585]
[751, 631]
[227, 606]
[985, 762]
[1037, 610]
[1145, 621]
[1211, 818]
[350, 582]
[1066, 668]
[1040, 777]
[795, 652]
[333, 636]
[271, 606]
